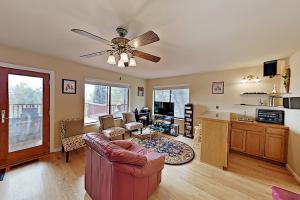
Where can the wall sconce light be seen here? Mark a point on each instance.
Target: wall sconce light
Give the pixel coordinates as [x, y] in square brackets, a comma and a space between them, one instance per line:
[250, 79]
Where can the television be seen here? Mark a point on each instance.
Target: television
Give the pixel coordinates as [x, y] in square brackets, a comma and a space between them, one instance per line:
[295, 102]
[164, 108]
[270, 68]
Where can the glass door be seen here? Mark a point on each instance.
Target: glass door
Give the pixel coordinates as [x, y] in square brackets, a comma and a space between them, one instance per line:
[24, 115]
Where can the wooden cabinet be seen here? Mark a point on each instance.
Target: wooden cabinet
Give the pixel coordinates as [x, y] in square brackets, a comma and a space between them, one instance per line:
[237, 141]
[254, 143]
[214, 145]
[260, 139]
[276, 144]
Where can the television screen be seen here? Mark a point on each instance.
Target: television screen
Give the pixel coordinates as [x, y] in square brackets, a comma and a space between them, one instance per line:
[164, 108]
[295, 102]
[270, 68]
[158, 108]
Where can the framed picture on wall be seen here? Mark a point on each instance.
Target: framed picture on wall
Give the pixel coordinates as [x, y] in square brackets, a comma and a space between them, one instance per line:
[218, 87]
[68, 86]
[140, 91]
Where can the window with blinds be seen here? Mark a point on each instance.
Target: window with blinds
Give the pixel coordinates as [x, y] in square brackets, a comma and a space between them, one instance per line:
[179, 96]
[103, 99]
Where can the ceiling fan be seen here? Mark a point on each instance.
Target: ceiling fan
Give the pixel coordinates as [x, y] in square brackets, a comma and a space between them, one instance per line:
[123, 48]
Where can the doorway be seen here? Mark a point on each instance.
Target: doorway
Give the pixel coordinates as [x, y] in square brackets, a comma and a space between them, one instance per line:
[24, 115]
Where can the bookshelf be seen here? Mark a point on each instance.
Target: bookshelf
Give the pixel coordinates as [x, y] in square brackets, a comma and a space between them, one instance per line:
[188, 120]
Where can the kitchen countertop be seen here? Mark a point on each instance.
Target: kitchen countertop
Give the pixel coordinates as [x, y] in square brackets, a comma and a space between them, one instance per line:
[262, 124]
[220, 116]
[227, 117]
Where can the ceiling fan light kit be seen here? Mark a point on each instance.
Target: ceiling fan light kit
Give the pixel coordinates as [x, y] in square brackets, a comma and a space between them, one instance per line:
[132, 62]
[111, 60]
[122, 47]
[124, 57]
[121, 64]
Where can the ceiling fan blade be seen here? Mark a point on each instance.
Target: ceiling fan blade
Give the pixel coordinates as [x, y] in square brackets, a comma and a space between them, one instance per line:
[92, 36]
[146, 56]
[147, 38]
[90, 55]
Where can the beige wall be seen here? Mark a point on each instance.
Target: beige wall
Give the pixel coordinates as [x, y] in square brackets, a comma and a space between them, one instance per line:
[293, 116]
[200, 89]
[203, 99]
[70, 106]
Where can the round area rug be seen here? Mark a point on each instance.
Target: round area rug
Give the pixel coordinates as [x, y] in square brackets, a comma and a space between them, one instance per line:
[176, 152]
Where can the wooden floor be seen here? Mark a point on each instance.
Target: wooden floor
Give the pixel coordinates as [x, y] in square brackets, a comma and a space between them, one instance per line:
[246, 178]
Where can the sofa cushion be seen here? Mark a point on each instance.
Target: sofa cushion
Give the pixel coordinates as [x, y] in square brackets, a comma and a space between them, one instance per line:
[133, 126]
[127, 157]
[74, 127]
[100, 144]
[74, 142]
[123, 143]
[114, 151]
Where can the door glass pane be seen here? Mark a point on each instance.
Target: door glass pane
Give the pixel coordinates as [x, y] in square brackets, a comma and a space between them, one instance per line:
[119, 101]
[96, 102]
[25, 112]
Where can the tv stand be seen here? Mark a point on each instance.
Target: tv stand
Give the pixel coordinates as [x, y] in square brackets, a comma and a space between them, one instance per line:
[165, 122]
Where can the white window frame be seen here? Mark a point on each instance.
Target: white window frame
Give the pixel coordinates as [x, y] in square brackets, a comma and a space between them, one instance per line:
[109, 84]
[170, 87]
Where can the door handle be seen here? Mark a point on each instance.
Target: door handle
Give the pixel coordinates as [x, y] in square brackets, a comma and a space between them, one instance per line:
[2, 116]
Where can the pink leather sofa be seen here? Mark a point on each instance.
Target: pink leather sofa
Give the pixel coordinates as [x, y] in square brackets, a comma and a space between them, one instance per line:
[120, 170]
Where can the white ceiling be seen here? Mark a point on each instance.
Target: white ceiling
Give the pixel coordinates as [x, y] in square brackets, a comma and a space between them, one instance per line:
[196, 35]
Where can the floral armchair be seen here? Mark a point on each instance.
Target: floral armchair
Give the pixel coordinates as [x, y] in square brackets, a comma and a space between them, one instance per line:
[107, 127]
[130, 122]
[72, 132]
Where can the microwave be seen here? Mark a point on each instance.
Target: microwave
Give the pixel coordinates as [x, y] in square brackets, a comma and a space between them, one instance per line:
[270, 116]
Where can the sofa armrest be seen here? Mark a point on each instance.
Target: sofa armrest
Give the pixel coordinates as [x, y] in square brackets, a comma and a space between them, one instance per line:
[137, 148]
[155, 163]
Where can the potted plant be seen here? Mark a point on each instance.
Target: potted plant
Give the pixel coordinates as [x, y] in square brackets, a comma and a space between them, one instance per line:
[286, 79]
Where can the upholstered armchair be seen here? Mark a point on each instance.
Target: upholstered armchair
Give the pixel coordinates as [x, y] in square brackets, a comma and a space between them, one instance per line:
[107, 127]
[120, 169]
[130, 123]
[71, 131]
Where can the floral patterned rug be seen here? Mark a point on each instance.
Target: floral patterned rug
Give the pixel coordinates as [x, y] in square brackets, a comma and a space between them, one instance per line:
[176, 152]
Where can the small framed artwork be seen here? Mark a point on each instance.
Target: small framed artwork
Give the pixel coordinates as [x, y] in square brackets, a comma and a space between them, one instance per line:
[218, 87]
[68, 86]
[140, 91]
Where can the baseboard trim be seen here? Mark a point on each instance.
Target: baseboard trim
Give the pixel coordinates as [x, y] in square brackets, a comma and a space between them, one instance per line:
[297, 178]
[56, 149]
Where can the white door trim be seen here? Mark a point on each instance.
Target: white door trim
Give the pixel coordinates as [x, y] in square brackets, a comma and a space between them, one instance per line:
[52, 94]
